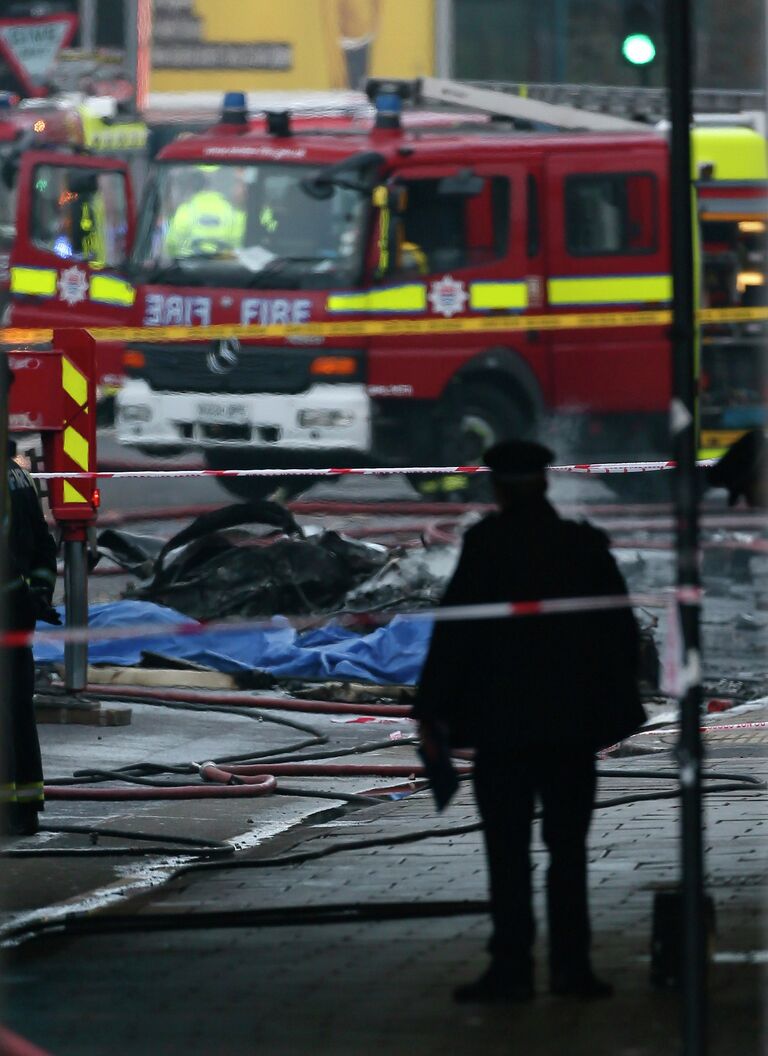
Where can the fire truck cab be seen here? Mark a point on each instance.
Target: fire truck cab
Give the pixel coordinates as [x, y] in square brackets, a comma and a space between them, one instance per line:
[71, 121]
[432, 236]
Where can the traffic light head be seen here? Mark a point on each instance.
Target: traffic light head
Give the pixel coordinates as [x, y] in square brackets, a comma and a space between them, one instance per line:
[641, 29]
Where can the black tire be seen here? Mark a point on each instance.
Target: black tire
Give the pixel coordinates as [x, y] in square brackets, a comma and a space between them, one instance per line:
[473, 416]
[252, 487]
[105, 411]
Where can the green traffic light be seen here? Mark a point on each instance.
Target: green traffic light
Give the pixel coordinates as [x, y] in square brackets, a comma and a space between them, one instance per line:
[638, 49]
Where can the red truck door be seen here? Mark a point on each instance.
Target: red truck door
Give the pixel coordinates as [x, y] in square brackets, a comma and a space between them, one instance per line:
[607, 251]
[74, 231]
[463, 254]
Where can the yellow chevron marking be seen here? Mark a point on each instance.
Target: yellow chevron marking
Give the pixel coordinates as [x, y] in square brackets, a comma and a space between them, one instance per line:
[76, 447]
[72, 494]
[74, 382]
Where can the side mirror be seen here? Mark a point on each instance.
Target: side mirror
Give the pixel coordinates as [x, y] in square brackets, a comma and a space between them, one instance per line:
[465, 184]
[317, 188]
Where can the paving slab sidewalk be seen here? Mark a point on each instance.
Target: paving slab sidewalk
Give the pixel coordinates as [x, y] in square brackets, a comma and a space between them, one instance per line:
[367, 987]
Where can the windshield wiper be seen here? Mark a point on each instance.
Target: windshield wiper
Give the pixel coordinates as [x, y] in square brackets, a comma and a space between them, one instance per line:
[175, 268]
[282, 272]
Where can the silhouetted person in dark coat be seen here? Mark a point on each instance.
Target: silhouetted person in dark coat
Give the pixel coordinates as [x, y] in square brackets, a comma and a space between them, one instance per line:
[28, 590]
[743, 470]
[536, 696]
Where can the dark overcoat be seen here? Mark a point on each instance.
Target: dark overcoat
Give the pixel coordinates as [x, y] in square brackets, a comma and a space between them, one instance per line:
[31, 550]
[533, 680]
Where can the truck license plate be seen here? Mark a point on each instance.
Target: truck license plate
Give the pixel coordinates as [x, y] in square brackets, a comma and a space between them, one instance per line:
[222, 412]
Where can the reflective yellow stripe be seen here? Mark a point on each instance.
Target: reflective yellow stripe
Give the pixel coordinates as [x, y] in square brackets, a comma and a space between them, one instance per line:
[614, 289]
[74, 382]
[120, 135]
[72, 494]
[31, 791]
[8, 793]
[76, 447]
[107, 289]
[484, 295]
[37, 282]
[412, 298]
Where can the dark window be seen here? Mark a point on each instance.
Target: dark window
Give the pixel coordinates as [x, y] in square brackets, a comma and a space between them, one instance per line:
[607, 213]
[455, 231]
[110, 24]
[533, 230]
[734, 257]
[80, 214]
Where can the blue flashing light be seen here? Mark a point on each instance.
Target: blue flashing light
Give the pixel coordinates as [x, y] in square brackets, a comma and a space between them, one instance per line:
[389, 103]
[62, 247]
[5, 100]
[389, 106]
[234, 101]
[235, 109]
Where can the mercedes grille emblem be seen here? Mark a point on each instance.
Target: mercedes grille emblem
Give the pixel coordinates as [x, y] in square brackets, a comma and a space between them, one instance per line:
[223, 356]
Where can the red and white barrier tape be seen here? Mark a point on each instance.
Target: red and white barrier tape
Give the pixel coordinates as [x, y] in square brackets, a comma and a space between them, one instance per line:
[725, 728]
[357, 471]
[735, 726]
[484, 611]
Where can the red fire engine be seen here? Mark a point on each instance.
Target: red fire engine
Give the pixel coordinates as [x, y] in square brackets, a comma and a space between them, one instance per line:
[93, 124]
[433, 240]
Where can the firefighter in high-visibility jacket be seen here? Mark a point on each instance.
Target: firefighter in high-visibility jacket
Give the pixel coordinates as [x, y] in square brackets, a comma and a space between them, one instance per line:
[207, 223]
[31, 577]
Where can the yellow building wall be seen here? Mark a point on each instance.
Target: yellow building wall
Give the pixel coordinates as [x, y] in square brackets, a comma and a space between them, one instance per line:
[334, 42]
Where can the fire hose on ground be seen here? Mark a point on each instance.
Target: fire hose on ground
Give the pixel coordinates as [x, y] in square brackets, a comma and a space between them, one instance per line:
[245, 779]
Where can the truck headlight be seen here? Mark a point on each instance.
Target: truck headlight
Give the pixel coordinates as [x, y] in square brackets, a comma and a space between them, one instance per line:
[324, 419]
[134, 413]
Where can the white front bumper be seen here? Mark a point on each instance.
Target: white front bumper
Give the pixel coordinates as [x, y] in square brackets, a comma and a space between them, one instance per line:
[338, 417]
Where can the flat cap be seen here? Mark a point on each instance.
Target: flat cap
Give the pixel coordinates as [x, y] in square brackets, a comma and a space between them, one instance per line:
[517, 460]
[742, 465]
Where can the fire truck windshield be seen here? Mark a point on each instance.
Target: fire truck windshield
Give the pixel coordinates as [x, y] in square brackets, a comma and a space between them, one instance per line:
[248, 226]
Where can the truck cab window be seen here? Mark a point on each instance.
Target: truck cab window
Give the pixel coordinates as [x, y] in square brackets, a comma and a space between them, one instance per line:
[249, 226]
[80, 214]
[444, 232]
[533, 226]
[607, 213]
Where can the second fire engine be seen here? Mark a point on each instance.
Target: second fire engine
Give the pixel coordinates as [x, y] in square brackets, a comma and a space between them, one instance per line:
[434, 236]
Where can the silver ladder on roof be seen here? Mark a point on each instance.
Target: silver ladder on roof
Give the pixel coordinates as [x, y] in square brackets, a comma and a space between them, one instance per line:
[590, 107]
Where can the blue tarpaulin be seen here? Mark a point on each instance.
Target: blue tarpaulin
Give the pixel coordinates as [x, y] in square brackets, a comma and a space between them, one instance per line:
[393, 654]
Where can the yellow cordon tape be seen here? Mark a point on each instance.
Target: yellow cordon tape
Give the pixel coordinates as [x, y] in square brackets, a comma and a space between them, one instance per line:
[392, 327]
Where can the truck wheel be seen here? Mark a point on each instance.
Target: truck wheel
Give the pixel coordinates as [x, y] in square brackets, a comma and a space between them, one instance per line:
[472, 418]
[252, 487]
[105, 411]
